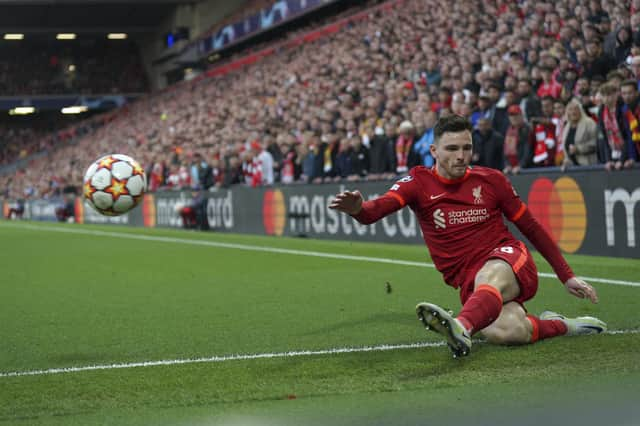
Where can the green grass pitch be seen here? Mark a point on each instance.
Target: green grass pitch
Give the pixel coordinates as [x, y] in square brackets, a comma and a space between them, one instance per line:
[91, 297]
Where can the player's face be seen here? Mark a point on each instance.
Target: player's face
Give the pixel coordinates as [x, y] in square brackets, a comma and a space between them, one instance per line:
[453, 154]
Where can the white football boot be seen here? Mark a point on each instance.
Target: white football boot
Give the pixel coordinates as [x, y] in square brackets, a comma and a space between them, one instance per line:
[578, 326]
[439, 320]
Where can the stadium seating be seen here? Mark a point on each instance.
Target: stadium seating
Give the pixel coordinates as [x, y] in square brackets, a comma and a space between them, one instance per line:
[39, 66]
[353, 82]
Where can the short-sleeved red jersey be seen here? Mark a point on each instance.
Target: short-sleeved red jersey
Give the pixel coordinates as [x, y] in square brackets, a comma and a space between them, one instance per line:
[461, 219]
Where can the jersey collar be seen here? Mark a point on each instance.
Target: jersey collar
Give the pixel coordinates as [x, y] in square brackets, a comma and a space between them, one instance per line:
[451, 181]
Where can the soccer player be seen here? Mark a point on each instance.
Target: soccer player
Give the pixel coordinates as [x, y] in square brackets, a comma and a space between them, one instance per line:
[460, 211]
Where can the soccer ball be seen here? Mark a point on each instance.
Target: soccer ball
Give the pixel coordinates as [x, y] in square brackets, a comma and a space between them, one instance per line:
[114, 184]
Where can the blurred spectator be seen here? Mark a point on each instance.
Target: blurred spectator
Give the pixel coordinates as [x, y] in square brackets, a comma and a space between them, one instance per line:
[614, 141]
[558, 120]
[360, 161]
[621, 47]
[307, 153]
[262, 165]
[635, 68]
[202, 172]
[549, 86]
[16, 209]
[343, 164]
[517, 150]
[406, 156]
[381, 151]
[631, 110]
[543, 139]
[487, 145]
[596, 62]
[288, 170]
[194, 213]
[423, 146]
[579, 137]
[233, 172]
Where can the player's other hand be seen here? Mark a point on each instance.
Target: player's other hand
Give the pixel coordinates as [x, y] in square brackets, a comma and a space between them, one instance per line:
[581, 289]
[349, 202]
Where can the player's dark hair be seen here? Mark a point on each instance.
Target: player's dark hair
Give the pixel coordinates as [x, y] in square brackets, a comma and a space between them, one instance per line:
[451, 123]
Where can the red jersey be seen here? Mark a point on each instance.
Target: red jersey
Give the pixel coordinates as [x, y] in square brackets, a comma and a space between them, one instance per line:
[461, 219]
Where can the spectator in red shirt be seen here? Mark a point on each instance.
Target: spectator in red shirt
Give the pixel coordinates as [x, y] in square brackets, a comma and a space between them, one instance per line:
[549, 86]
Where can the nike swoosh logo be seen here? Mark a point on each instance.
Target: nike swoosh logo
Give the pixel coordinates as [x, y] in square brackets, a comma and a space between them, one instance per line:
[433, 197]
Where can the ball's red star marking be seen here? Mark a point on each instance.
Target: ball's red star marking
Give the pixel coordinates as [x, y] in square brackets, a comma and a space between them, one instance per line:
[117, 188]
[138, 170]
[107, 162]
[88, 190]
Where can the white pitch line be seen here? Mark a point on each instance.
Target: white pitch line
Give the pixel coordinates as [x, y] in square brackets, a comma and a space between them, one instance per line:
[225, 358]
[275, 250]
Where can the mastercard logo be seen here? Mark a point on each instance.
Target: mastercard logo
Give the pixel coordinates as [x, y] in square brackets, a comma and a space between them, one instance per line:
[559, 206]
[149, 211]
[273, 212]
[78, 207]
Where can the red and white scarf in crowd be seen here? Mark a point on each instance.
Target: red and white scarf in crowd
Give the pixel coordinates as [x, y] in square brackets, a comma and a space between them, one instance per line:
[545, 141]
[403, 146]
[614, 136]
[256, 168]
[634, 127]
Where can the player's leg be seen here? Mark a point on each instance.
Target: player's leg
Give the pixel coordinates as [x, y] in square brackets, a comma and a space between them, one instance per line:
[511, 328]
[515, 276]
[551, 324]
[494, 282]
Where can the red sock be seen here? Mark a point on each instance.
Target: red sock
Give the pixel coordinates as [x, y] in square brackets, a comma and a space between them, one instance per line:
[544, 329]
[481, 309]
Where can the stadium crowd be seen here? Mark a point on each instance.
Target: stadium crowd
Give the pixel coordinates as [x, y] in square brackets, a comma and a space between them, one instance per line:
[545, 83]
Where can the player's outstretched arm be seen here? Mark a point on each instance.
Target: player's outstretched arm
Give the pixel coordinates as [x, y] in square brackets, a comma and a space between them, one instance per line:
[349, 202]
[365, 212]
[581, 289]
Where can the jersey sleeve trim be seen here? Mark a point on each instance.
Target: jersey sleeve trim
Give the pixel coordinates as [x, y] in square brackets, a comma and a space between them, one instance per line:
[397, 197]
[519, 213]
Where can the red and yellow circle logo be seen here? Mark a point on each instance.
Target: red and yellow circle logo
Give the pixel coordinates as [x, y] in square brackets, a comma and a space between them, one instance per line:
[559, 206]
[273, 212]
[149, 211]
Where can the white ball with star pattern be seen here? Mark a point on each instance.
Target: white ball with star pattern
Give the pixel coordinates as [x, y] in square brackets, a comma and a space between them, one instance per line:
[114, 184]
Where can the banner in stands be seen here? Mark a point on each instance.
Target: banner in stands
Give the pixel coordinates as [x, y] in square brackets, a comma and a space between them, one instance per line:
[276, 13]
[587, 212]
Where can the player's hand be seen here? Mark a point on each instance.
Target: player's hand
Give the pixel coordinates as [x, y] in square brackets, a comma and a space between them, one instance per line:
[581, 289]
[349, 202]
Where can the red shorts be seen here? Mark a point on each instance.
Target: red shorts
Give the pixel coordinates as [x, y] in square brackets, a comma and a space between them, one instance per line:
[517, 255]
